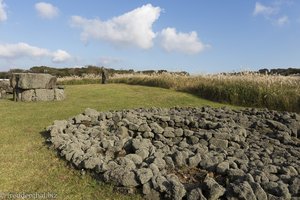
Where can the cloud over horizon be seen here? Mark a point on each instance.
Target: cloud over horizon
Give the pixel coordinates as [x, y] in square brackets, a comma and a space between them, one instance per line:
[3, 15]
[282, 20]
[133, 28]
[187, 43]
[19, 50]
[271, 13]
[261, 9]
[46, 10]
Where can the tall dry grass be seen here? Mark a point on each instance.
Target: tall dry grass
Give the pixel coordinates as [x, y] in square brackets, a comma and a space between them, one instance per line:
[79, 80]
[247, 89]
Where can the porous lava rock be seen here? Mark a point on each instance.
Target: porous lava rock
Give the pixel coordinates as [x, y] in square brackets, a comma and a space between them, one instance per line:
[187, 153]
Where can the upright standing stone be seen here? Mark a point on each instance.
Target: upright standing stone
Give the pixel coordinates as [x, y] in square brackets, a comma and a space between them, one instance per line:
[104, 75]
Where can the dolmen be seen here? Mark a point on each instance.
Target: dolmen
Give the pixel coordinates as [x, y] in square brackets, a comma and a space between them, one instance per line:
[29, 87]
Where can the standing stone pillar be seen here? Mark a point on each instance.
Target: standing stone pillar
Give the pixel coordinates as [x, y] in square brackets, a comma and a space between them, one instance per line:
[104, 75]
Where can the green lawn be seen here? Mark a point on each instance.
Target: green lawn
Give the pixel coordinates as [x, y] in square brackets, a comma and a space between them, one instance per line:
[26, 163]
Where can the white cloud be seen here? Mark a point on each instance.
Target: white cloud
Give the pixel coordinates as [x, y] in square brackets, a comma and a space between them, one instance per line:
[133, 28]
[46, 10]
[105, 61]
[3, 15]
[281, 21]
[261, 9]
[188, 43]
[271, 13]
[60, 56]
[19, 50]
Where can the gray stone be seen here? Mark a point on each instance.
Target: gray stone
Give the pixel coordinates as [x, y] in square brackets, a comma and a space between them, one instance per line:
[129, 179]
[193, 140]
[178, 132]
[291, 171]
[33, 81]
[154, 169]
[160, 183]
[5, 86]
[122, 132]
[62, 124]
[183, 144]
[251, 163]
[136, 159]
[271, 187]
[219, 143]
[80, 118]
[243, 191]
[147, 188]
[44, 95]
[194, 160]
[144, 175]
[169, 162]
[28, 95]
[133, 127]
[215, 191]
[141, 144]
[196, 194]
[177, 190]
[222, 167]
[160, 163]
[144, 128]
[59, 94]
[169, 132]
[92, 162]
[187, 132]
[91, 112]
[143, 153]
[277, 125]
[148, 135]
[284, 190]
[222, 136]
[156, 128]
[152, 195]
[178, 159]
[126, 163]
[294, 187]
[258, 191]
[234, 174]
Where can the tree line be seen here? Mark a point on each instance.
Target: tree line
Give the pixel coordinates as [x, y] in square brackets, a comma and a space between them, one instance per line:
[90, 69]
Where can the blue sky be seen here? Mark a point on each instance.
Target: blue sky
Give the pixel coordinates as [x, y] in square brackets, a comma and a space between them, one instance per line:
[196, 36]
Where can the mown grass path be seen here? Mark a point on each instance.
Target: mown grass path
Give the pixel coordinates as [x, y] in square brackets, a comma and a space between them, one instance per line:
[27, 165]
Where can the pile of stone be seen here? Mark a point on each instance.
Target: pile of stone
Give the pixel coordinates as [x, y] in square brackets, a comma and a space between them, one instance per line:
[187, 153]
[4, 88]
[35, 87]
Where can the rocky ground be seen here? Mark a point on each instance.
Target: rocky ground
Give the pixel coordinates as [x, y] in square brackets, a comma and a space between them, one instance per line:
[187, 153]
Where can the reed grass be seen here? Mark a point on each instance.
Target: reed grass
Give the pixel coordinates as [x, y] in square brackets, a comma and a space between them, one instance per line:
[248, 89]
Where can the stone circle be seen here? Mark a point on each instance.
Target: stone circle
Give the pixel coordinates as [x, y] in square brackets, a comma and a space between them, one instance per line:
[187, 153]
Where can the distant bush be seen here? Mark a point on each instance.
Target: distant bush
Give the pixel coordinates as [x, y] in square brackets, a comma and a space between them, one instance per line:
[279, 71]
[82, 81]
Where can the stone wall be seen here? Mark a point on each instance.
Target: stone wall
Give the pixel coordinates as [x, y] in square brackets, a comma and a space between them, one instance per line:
[36, 87]
[5, 88]
[55, 94]
[187, 153]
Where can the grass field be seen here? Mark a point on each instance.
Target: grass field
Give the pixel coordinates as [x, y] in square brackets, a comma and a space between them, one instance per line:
[247, 89]
[26, 163]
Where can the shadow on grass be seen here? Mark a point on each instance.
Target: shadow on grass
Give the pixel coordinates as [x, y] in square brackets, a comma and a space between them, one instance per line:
[46, 135]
